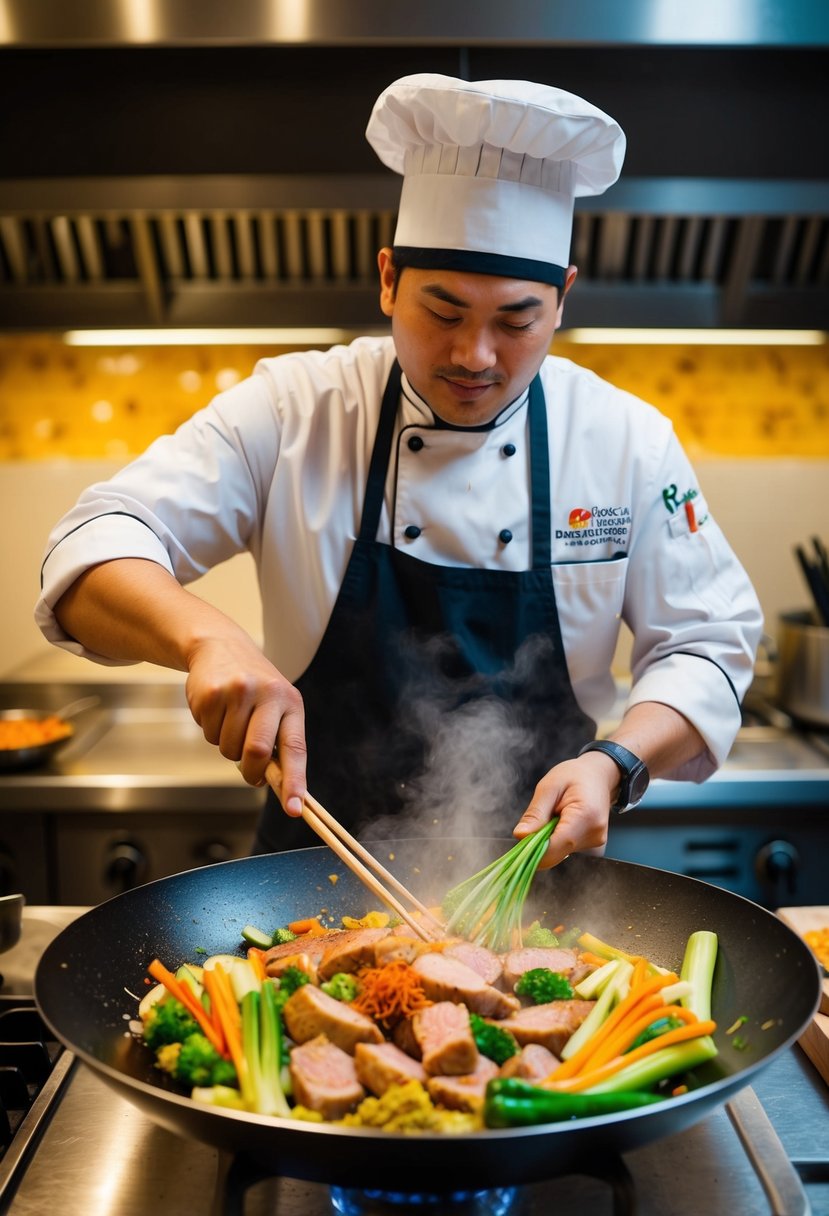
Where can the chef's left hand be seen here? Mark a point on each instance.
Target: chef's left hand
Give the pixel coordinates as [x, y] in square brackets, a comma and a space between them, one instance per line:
[580, 792]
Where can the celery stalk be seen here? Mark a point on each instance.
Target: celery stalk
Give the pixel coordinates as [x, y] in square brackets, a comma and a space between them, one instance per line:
[596, 981]
[667, 1062]
[596, 946]
[698, 971]
[600, 1010]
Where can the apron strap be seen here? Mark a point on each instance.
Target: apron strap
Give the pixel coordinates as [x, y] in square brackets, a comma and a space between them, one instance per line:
[377, 469]
[539, 468]
[540, 478]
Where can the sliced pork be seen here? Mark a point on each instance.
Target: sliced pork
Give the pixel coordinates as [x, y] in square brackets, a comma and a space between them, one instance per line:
[396, 948]
[533, 1063]
[444, 1038]
[380, 1065]
[550, 1025]
[481, 959]
[448, 979]
[324, 1078]
[466, 1092]
[350, 952]
[309, 1012]
[555, 958]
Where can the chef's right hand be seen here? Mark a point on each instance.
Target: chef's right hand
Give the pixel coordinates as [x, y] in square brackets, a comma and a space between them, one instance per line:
[250, 711]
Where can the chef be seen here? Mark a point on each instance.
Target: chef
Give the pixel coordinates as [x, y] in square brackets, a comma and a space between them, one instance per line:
[449, 524]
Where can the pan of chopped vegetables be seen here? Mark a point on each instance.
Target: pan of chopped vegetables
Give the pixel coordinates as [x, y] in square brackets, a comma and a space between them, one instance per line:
[268, 1007]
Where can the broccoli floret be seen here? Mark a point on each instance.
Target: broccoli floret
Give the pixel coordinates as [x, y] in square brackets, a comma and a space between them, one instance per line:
[281, 936]
[200, 1064]
[342, 986]
[541, 985]
[290, 979]
[492, 1041]
[168, 1022]
[537, 935]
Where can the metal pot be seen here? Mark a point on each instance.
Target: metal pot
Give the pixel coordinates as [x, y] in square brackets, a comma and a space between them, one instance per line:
[11, 918]
[90, 977]
[803, 668]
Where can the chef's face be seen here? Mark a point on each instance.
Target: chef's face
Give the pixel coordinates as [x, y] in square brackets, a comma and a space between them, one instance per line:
[469, 343]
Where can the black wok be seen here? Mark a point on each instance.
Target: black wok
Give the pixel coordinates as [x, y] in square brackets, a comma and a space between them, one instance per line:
[85, 978]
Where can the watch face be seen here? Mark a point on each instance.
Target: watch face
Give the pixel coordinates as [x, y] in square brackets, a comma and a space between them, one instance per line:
[638, 785]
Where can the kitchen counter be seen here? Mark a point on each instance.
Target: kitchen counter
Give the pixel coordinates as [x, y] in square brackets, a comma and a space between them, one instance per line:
[139, 747]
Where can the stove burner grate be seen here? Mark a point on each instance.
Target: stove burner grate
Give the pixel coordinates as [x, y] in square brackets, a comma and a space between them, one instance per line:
[27, 1056]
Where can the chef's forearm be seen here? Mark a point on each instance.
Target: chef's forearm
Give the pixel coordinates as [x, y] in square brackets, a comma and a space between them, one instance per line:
[134, 610]
[659, 735]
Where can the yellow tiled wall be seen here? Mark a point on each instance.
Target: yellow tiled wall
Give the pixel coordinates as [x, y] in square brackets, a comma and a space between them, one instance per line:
[58, 401]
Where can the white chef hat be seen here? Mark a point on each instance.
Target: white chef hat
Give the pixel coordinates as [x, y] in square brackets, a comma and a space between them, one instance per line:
[490, 170]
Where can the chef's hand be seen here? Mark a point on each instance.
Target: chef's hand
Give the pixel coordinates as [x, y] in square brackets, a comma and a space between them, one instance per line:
[580, 792]
[250, 711]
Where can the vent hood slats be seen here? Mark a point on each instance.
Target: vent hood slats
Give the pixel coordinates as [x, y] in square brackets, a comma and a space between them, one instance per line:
[217, 263]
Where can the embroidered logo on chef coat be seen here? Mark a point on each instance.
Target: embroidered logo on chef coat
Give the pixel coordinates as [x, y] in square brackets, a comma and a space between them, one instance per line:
[688, 509]
[588, 526]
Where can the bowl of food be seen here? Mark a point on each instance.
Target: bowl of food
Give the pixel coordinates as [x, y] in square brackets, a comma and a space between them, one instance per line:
[30, 737]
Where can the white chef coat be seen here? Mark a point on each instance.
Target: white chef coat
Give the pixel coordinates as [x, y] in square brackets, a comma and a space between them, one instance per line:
[277, 465]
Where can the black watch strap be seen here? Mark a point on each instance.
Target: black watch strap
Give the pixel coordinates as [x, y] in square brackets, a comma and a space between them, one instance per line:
[635, 776]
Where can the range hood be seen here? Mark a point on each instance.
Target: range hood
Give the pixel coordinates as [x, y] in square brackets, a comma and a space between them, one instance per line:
[182, 164]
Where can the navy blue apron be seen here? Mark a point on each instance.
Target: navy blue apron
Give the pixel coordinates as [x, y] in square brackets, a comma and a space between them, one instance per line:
[411, 645]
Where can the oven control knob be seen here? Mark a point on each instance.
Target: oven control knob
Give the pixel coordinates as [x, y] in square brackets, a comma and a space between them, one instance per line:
[213, 851]
[776, 865]
[125, 866]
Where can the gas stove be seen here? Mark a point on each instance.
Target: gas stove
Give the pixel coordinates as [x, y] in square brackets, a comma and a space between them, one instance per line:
[73, 1144]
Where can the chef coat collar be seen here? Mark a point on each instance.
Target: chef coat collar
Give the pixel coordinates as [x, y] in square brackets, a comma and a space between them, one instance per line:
[434, 420]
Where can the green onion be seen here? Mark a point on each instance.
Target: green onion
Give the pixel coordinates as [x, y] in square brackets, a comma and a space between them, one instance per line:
[488, 907]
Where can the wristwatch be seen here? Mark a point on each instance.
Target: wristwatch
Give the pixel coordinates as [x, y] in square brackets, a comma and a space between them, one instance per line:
[635, 775]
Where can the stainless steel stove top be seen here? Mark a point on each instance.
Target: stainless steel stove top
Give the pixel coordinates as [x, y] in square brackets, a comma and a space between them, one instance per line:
[97, 1155]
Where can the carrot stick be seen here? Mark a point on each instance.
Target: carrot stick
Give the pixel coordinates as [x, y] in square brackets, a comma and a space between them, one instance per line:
[256, 958]
[587, 1079]
[310, 924]
[595, 960]
[627, 1033]
[188, 999]
[640, 972]
[217, 983]
[611, 1023]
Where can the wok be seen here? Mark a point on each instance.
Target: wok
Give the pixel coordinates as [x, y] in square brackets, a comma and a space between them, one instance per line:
[88, 980]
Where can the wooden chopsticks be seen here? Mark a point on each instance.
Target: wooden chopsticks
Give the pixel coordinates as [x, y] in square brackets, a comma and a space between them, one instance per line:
[353, 854]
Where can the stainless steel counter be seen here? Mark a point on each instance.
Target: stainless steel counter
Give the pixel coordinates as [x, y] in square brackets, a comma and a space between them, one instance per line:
[138, 793]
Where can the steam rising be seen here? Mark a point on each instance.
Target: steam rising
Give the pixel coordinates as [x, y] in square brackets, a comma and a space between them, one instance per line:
[483, 753]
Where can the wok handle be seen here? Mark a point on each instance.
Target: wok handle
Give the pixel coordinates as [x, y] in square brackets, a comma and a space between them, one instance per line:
[778, 1177]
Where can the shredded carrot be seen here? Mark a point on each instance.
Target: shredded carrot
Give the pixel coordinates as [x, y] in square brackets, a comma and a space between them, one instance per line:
[256, 958]
[595, 1076]
[679, 1089]
[188, 999]
[311, 924]
[217, 983]
[390, 993]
